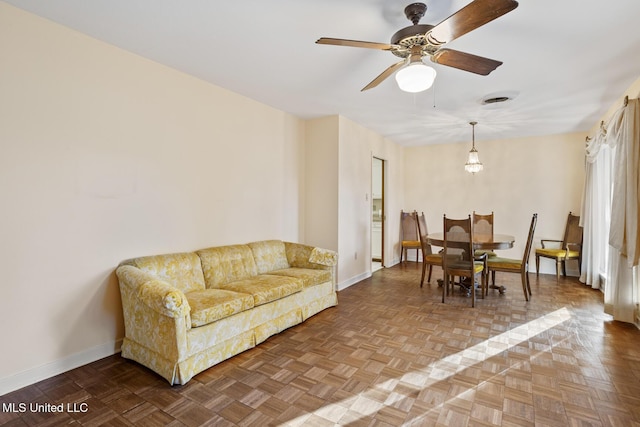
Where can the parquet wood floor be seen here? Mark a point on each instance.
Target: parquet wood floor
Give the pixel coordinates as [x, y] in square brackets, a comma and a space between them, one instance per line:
[389, 354]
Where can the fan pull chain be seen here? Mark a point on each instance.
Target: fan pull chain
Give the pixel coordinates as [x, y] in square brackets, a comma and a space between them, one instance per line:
[434, 94]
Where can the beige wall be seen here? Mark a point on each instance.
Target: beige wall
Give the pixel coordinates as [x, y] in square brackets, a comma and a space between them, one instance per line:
[523, 176]
[338, 193]
[395, 185]
[321, 182]
[632, 92]
[358, 146]
[106, 156]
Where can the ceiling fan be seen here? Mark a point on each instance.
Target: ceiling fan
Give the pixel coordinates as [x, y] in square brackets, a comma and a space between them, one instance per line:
[417, 41]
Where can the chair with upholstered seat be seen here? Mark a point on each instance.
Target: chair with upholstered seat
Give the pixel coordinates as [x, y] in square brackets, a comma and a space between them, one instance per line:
[570, 247]
[410, 239]
[483, 225]
[509, 265]
[428, 257]
[458, 240]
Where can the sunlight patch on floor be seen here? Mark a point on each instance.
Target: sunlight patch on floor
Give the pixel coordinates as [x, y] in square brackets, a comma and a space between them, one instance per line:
[435, 372]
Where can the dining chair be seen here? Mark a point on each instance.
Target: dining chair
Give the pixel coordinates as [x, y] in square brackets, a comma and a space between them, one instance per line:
[509, 265]
[458, 240]
[483, 224]
[410, 239]
[428, 257]
[570, 247]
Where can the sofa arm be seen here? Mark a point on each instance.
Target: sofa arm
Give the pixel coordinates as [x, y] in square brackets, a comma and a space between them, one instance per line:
[154, 293]
[305, 256]
[323, 257]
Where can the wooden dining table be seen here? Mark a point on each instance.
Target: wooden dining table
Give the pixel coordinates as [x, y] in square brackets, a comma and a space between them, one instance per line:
[480, 242]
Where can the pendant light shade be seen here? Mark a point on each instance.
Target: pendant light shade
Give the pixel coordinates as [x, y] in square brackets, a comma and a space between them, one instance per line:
[415, 77]
[473, 164]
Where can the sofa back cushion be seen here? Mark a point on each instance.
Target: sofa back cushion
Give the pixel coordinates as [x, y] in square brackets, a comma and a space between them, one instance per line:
[225, 264]
[269, 255]
[181, 270]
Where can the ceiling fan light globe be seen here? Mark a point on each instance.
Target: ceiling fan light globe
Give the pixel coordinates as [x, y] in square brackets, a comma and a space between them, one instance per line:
[416, 77]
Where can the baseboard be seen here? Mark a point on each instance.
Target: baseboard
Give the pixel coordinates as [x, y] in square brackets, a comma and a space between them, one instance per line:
[391, 263]
[51, 369]
[352, 281]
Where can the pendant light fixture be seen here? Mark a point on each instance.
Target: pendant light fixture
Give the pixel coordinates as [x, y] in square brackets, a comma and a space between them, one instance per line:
[473, 164]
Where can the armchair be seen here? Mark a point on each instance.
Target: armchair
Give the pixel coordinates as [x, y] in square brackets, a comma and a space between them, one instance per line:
[570, 247]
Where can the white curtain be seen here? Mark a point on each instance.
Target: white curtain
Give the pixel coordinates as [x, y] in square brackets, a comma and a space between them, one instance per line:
[596, 209]
[621, 290]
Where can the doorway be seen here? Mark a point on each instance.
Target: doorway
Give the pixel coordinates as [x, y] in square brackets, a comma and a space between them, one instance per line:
[377, 214]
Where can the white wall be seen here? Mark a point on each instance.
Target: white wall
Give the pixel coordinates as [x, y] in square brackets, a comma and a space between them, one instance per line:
[523, 176]
[106, 156]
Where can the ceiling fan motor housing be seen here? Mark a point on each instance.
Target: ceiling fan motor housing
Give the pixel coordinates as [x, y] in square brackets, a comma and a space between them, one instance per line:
[413, 35]
[410, 36]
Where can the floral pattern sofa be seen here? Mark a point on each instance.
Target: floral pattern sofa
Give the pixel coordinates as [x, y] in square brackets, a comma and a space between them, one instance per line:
[185, 312]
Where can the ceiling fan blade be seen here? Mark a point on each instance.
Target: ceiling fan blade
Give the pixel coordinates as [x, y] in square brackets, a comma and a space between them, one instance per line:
[465, 61]
[386, 73]
[355, 43]
[474, 15]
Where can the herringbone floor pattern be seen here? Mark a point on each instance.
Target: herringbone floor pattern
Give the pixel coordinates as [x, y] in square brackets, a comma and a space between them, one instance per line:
[390, 354]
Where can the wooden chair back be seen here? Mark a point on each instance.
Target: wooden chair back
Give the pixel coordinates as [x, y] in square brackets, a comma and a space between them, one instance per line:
[409, 226]
[529, 245]
[572, 233]
[410, 238]
[483, 224]
[422, 234]
[458, 236]
[515, 266]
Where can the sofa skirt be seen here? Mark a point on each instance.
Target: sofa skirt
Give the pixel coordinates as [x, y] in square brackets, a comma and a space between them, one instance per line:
[211, 344]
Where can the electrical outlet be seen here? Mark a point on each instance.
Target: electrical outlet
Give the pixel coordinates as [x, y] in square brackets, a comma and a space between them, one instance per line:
[355, 256]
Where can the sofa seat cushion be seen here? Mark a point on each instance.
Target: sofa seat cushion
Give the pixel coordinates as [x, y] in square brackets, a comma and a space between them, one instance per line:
[209, 305]
[265, 288]
[308, 276]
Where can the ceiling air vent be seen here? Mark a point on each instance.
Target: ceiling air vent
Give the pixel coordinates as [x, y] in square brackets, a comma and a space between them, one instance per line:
[495, 99]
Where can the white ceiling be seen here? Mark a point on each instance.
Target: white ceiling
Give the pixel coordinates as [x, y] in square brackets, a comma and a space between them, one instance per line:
[565, 62]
